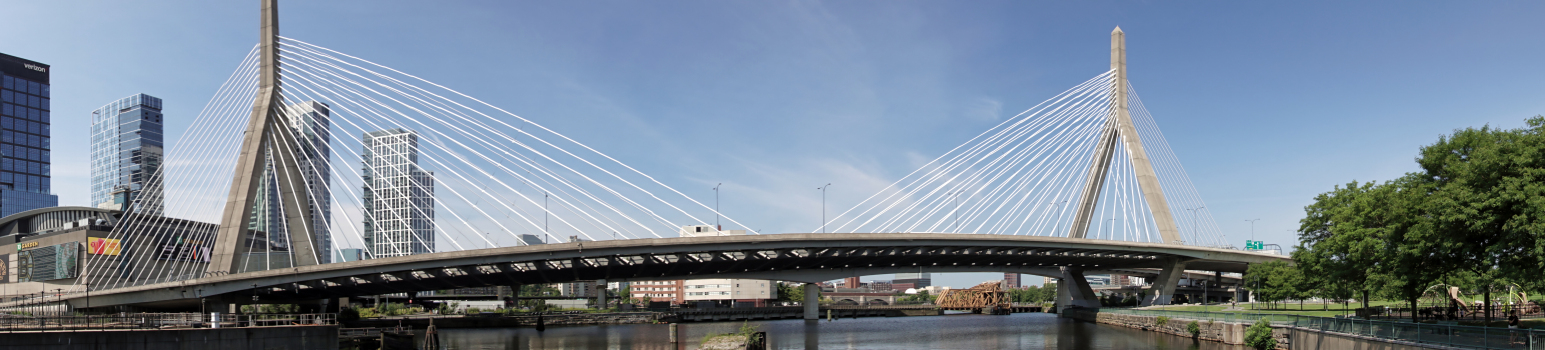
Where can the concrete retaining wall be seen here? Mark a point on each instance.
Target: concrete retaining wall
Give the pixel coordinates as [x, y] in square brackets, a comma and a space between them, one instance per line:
[515, 321]
[256, 338]
[1288, 338]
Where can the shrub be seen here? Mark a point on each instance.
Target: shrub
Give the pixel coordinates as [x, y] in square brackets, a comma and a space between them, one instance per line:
[1162, 320]
[1258, 336]
[1194, 328]
[348, 314]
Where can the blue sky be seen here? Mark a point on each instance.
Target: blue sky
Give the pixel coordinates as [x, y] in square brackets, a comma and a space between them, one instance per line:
[1265, 104]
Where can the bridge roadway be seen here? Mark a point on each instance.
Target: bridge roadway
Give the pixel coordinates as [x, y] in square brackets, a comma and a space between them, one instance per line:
[806, 257]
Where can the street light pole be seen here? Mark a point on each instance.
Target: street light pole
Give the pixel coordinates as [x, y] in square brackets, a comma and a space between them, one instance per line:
[716, 226]
[1058, 225]
[1252, 228]
[823, 206]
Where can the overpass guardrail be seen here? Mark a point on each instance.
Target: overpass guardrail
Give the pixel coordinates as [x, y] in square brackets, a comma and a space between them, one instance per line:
[1450, 335]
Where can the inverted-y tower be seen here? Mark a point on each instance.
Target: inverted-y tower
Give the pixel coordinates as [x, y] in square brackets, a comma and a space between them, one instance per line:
[1120, 132]
[268, 134]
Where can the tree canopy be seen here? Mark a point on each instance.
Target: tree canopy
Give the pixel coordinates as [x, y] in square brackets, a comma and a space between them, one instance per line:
[1474, 213]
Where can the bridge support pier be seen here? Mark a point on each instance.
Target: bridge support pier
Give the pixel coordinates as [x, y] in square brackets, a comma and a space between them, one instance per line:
[1164, 286]
[812, 301]
[1074, 291]
[600, 294]
[515, 296]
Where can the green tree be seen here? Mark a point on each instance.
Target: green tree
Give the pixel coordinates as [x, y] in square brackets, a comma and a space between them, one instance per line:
[789, 293]
[796, 293]
[1048, 293]
[921, 297]
[1274, 281]
[1487, 201]
[1339, 239]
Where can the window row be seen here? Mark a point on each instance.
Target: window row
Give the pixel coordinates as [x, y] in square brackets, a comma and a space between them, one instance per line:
[23, 112]
[27, 153]
[9, 96]
[25, 182]
[24, 126]
[25, 85]
[24, 166]
[34, 141]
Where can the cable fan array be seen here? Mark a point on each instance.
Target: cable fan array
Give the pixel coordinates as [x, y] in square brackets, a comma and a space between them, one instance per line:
[1024, 177]
[390, 164]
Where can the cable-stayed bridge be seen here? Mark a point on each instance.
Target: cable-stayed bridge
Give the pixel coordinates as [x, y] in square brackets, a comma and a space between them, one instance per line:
[306, 150]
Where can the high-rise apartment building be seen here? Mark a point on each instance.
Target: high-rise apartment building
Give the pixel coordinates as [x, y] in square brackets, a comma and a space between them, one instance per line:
[309, 122]
[399, 206]
[127, 149]
[24, 136]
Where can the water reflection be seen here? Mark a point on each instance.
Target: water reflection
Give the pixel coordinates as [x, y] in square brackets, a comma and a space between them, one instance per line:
[963, 331]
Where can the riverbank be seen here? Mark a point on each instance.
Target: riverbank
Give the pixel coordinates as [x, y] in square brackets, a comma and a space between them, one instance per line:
[950, 331]
[680, 315]
[1289, 336]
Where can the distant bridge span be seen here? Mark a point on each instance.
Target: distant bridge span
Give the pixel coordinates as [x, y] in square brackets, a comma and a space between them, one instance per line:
[807, 257]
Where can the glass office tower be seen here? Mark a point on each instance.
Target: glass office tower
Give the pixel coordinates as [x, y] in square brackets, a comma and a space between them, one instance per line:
[24, 136]
[126, 152]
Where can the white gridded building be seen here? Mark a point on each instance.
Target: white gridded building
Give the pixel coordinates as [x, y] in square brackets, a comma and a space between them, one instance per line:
[398, 196]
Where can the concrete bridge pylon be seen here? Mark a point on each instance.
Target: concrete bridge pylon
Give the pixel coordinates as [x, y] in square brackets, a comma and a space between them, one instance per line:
[264, 145]
[1120, 132]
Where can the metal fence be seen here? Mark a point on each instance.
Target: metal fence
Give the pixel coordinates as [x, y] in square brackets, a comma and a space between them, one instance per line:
[12, 323]
[1472, 337]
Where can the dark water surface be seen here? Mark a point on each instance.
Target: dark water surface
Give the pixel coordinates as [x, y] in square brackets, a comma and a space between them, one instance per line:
[959, 331]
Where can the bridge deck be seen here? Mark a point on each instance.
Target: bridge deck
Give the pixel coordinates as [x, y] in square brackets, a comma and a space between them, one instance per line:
[791, 257]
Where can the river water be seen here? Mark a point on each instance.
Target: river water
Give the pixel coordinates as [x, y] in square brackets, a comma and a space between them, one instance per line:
[955, 331]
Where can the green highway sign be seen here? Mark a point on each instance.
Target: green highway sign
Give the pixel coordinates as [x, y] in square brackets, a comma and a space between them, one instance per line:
[1255, 245]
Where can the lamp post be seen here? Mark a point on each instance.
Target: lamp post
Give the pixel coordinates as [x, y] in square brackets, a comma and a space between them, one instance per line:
[823, 206]
[59, 297]
[1252, 229]
[545, 233]
[1194, 229]
[716, 226]
[1059, 215]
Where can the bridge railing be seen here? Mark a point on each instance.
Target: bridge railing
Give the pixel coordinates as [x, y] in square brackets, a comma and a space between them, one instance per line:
[1451, 335]
[13, 323]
